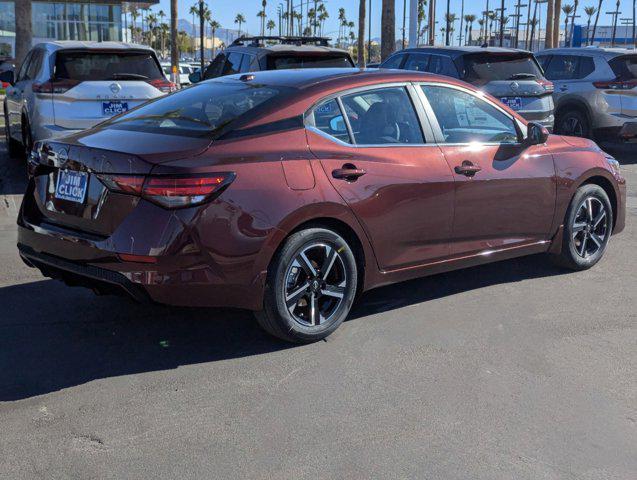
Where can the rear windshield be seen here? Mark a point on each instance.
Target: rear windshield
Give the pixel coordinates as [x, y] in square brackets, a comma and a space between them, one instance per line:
[625, 67]
[198, 111]
[95, 65]
[280, 62]
[483, 68]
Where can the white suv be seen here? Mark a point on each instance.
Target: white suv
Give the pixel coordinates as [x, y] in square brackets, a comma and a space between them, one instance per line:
[595, 91]
[64, 87]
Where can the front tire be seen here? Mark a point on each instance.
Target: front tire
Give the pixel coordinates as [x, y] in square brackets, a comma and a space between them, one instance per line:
[310, 288]
[588, 225]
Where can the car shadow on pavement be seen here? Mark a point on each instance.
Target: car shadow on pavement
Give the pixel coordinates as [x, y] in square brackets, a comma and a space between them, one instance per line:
[54, 337]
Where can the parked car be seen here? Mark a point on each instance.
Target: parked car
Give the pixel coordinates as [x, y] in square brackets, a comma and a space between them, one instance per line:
[513, 76]
[252, 54]
[289, 192]
[595, 91]
[67, 86]
[185, 69]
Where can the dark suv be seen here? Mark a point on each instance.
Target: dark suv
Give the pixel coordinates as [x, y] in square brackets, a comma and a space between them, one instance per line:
[512, 76]
[251, 54]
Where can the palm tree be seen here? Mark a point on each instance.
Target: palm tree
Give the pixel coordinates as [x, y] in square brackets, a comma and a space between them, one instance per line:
[570, 35]
[421, 19]
[151, 24]
[481, 23]
[589, 11]
[469, 19]
[194, 11]
[214, 25]
[262, 16]
[134, 15]
[568, 10]
[240, 19]
[342, 21]
[450, 18]
[323, 15]
[161, 16]
[599, 9]
[388, 28]
[207, 18]
[174, 47]
[299, 21]
[271, 25]
[360, 44]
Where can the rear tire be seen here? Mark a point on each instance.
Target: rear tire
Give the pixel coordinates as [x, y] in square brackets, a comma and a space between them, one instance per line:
[13, 146]
[588, 225]
[27, 138]
[310, 288]
[573, 123]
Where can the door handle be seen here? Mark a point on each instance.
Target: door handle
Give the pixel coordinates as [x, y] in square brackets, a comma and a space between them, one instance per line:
[348, 172]
[467, 168]
[563, 88]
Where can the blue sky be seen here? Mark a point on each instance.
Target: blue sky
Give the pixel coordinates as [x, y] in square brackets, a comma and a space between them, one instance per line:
[224, 11]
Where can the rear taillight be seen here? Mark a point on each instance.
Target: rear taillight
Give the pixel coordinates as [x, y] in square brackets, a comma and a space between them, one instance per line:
[170, 191]
[163, 85]
[547, 85]
[616, 85]
[54, 86]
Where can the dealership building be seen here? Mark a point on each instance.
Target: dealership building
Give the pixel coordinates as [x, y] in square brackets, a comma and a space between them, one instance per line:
[98, 20]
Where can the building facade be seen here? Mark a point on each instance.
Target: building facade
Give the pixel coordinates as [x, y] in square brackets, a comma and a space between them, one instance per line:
[98, 20]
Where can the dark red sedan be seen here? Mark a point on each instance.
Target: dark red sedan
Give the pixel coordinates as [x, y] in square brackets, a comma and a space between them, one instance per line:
[290, 192]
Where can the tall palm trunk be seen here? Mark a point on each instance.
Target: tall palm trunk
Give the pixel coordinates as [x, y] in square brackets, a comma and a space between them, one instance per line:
[388, 29]
[174, 48]
[599, 9]
[23, 33]
[432, 21]
[360, 41]
[557, 10]
[550, 5]
[570, 35]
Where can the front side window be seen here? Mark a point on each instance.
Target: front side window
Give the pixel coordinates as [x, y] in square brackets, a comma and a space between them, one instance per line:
[200, 111]
[394, 61]
[466, 118]
[382, 116]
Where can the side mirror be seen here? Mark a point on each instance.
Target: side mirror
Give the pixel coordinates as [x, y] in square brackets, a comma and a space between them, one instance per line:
[536, 134]
[337, 124]
[195, 77]
[7, 77]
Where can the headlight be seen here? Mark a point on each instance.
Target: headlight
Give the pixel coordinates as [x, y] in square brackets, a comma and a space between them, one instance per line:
[614, 164]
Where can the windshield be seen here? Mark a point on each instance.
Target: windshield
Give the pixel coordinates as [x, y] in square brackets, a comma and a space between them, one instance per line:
[483, 68]
[197, 111]
[280, 62]
[625, 67]
[100, 65]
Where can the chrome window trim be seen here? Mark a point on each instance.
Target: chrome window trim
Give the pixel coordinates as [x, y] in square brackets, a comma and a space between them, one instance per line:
[311, 125]
[521, 128]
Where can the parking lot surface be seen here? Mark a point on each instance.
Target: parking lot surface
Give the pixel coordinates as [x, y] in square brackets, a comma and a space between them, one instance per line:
[515, 370]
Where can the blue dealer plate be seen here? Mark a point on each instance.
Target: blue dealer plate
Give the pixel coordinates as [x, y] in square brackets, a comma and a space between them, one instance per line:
[114, 108]
[71, 186]
[514, 103]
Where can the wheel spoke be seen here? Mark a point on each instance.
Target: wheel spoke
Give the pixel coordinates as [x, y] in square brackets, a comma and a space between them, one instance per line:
[330, 257]
[315, 313]
[335, 291]
[306, 265]
[293, 298]
[600, 216]
[589, 209]
[582, 250]
[597, 240]
[578, 227]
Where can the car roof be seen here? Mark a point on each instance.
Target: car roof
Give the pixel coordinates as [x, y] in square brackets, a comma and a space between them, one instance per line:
[589, 51]
[302, 78]
[56, 45]
[459, 51]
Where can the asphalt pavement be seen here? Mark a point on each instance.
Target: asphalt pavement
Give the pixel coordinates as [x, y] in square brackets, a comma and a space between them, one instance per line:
[515, 370]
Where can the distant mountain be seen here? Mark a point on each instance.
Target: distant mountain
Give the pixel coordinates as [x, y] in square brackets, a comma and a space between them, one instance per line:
[226, 35]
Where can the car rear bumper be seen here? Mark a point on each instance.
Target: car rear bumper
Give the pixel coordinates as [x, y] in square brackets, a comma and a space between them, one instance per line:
[181, 279]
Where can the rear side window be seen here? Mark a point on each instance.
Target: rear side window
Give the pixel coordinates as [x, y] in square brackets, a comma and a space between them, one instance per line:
[233, 64]
[394, 61]
[417, 62]
[95, 65]
[483, 68]
[35, 64]
[465, 118]
[383, 116]
[569, 67]
[328, 118]
[442, 65]
[624, 67]
[199, 111]
[280, 62]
